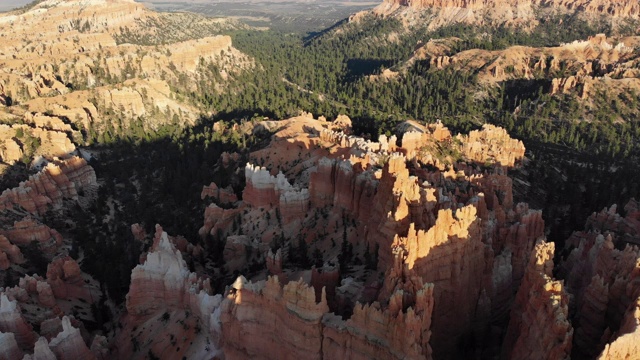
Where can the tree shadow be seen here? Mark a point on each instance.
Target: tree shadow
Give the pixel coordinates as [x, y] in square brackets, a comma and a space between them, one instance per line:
[357, 68]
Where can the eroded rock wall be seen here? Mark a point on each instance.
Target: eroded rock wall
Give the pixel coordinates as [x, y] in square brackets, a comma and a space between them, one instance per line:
[47, 189]
[539, 327]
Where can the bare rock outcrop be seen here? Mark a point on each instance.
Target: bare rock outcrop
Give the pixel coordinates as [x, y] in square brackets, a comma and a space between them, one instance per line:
[342, 123]
[34, 286]
[68, 344]
[42, 351]
[9, 253]
[236, 252]
[592, 322]
[89, 44]
[47, 189]
[437, 256]
[292, 320]
[66, 281]
[224, 196]
[28, 229]
[492, 144]
[505, 11]
[162, 288]
[601, 272]
[583, 67]
[4, 261]
[325, 279]
[539, 327]
[9, 346]
[440, 221]
[274, 262]
[159, 282]
[265, 190]
[10, 150]
[217, 220]
[12, 321]
[626, 345]
[335, 182]
[382, 334]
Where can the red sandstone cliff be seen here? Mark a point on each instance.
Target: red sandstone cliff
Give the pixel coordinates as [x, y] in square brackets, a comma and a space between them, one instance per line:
[452, 250]
[68, 344]
[289, 316]
[9, 346]
[47, 189]
[603, 279]
[28, 229]
[12, 321]
[615, 8]
[506, 11]
[377, 333]
[283, 322]
[66, 281]
[626, 345]
[38, 302]
[474, 248]
[164, 292]
[539, 327]
[9, 254]
[224, 196]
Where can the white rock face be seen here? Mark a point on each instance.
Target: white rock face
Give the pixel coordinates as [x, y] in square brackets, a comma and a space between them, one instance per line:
[74, 3]
[164, 284]
[160, 281]
[294, 197]
[69, 343]
[41, 351]
[6, 305]
[164, 281]
[11, 321]
[261, 179]
[266, 190]
[9, 347]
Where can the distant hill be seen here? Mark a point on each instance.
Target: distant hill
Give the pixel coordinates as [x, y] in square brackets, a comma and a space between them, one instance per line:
[12, 4]
[296, 15]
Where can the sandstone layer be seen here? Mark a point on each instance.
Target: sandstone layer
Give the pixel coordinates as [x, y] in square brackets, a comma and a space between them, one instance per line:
[345, 248]
[75, 69]
[47, 189]
[510, 12]
[164, 292]
[419, 223]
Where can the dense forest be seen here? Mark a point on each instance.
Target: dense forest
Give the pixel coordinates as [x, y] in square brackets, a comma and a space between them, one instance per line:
[327, 74]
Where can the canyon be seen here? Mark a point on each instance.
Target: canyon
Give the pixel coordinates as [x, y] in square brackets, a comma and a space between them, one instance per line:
[449, 259]
[313, 237]
[74, 68]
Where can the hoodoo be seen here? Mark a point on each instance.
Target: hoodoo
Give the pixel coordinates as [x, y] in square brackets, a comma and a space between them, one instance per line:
[166, 193]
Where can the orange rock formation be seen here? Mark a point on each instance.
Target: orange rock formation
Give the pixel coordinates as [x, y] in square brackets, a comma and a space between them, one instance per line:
[224, 196]
[57, 181]
[443, 262]
[12, 321]
[80, 42]
[389, 334]
[164, 285]
[64, 276]
[28, 229]
[292, 321]
[420, 221]
[9, 346]
[539, 327]
[507, 11]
